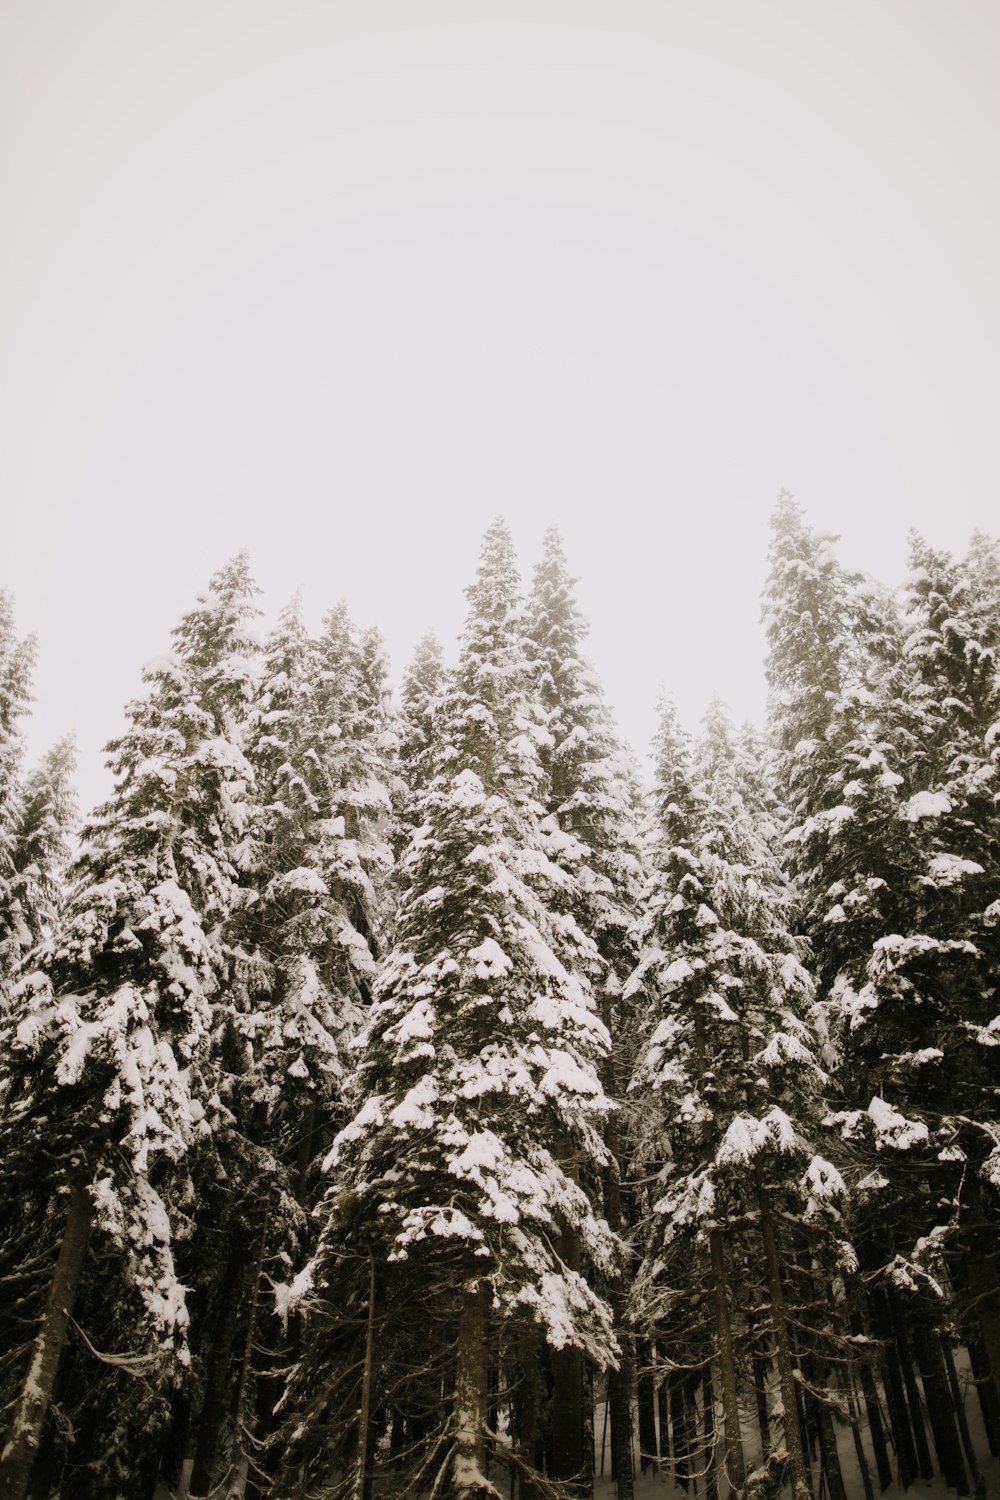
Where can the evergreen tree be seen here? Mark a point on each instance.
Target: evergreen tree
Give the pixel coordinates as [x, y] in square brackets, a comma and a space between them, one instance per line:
[110, 1082]
[590, 796]
[478, 1076]
[730, 1087]
[16, 663]
[42, 850]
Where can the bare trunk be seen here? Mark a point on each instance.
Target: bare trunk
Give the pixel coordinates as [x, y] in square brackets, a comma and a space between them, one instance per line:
[735, 1466]
[939, 1407]
[567, 1423]
[28, 1422]
[983, 1286]
[960, 1417]
[472, 1373]
[905, 1357]
[217, 1375]
[801, 1488]
[899, 1416]
[620, 1380]
[365, 1403]
[645, 1401]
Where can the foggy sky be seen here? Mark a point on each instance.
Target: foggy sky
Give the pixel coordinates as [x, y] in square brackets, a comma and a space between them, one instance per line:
[340, 282]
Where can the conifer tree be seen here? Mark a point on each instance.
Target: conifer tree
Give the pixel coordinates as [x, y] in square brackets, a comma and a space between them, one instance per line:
[16, 663]
[729, 1082]
[109, 1080]
[423, 684]
[590, 797]
[478, 1071]
[47, 819]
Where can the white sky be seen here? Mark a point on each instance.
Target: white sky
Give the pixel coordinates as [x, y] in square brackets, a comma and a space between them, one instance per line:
[342, 281]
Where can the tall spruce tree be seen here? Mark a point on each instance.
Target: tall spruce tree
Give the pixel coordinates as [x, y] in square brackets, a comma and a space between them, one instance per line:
[16, 662]
[589, 792]
[109, 1076]
[478, 1075]
[730, 1092]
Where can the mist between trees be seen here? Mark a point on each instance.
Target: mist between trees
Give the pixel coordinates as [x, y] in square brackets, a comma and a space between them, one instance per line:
[399, 1100]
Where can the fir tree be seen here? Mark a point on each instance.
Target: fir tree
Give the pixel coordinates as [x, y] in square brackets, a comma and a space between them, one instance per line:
[729, 1080]
[478, 1070]
[590, 797]
[110, 1082]
[16, 663]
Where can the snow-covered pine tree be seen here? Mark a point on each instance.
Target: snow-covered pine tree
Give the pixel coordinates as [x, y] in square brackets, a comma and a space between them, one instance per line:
[109, 1078]
[423, 684]
[16, 663]
[48, 817]
[919, 994]
[305, 936]
[590, 794]
[478, 1073]
[729, 1089]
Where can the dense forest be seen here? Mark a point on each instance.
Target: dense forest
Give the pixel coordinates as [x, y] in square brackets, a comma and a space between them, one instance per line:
[399, 1098]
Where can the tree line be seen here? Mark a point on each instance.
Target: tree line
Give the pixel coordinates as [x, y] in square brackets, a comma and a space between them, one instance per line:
[387, 1088]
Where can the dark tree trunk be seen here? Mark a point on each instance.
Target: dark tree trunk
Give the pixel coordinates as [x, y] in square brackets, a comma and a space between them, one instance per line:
[960, 1417]
[620, 1404]
[663, 1418]
[801, 1488]
[895, 1396]
[620, 1380]
[760, 1365]
[680, 1426]
[710, 1435]
[735, 1467]
[989, 1402]
[940, 1411]
[645, 1400]
[218, 1372]
[873, 1411]
[527, 1409]
[472, 1376]
[28, 1421]
[925, 1467]
[983, 1287]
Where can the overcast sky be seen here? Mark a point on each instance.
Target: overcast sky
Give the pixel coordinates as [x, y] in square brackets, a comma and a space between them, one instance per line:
[339, 282]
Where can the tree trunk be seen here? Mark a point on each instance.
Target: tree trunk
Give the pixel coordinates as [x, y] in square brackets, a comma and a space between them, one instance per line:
[620, 1406]
[620, 1380]
[983, 1286]
[710, 1435]
[472, 1375]
[217, 1374]
[926, 1468]
[361, 1480]
[895, 1396]
[879, 1448]
[960, 1417]
[759, 1363]
[528, 1406]
[29, 1415]
[735, 1467]
[645, 1401]
[986, 1391]
[663, 1418]
[940, 1411]
[566, 1414]
[801, 1488]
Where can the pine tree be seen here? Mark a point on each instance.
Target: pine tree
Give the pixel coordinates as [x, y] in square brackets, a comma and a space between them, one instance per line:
[423, 685]
[478, 1074]
[590, 796]
[110, 1081]
[42, 850]
[16, 663]
[729, 1084]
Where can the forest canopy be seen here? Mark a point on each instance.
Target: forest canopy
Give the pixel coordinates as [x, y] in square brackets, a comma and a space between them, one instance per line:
[398, 1097]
